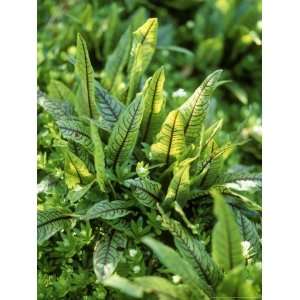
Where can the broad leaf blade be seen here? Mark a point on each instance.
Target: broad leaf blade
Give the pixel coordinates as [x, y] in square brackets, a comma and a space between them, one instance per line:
[154, 106]
[144, 43]
[108, 210]
[84, 69]
[107, 254]
[170, 141]
[51, 221]
[194, 110]
[226, 238]
[124, 135]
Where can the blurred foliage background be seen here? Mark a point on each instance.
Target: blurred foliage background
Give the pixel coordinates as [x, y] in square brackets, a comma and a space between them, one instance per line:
[195, 37]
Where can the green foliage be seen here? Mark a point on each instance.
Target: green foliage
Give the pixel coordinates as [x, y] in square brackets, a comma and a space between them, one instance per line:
[121, 157]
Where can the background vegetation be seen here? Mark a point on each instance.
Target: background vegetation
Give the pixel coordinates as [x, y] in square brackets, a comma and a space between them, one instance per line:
[195, 38]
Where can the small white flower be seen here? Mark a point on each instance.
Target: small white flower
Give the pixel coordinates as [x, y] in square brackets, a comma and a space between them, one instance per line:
[132, 252]
[179, 93]
[246, 248]
[136, 269]
[176, 278]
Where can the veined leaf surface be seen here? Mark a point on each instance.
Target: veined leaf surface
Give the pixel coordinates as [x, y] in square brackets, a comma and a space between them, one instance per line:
[107, 254]
[124, 135]
[145, 190]
[99, 158]
[154, 105]
[108, 210]
[195, 108]
[51, 221]
[194, 251]
[87, 104]
[108, 106]
[143, 47]
[226, 238]
[59, 90]
[170, 141]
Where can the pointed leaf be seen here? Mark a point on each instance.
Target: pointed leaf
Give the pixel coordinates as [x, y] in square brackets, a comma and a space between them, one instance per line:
[109, 107]
[144, 43]
[108, 210]
[84, 69]
[154, 105]
[124, 135]
[58, 90]
[170, 141]
[194, 110]
[107, 254]
[226, 238]
[51, 221]
[177, 265]
[145, 190]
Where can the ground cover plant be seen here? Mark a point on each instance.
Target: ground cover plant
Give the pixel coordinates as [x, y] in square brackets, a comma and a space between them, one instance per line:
[140, 194]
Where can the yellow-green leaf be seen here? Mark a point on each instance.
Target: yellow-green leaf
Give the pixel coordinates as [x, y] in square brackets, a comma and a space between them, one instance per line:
[144, 43]
[170, 141]
[195, 108]
[60, 91]
[154, 105]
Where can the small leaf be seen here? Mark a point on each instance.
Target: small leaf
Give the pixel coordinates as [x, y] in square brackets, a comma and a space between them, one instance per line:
[194, 110]
[108, 210]
[226, 238]
[58, 90]
[79, 192]
[124, 135]
[145, 190]
[87, 104]
[107, 254]
[170, 141]
[99, 158]
[143, 47]
[51, 221]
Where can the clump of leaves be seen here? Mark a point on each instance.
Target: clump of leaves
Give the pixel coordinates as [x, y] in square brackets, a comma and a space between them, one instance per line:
[133, 167]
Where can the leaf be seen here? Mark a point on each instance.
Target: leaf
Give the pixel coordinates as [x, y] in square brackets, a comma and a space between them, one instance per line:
[211, 132]
[179, 186]
[242, 181]
[99, 158]
[84, 69]
[249, 233]
[236, 285]
[107, 254]
[177, 265]
[143, 47]
[51, 221]
[238, 92]
[170, 141]
[226, 238]
[57, 109]
[108, 106]
[59, 90]
[124, 285]
[161, 287]
[124, 135]
[154, 105]
[76, 172]
[117, 61]
[146, 191]
[193, 250]
[194, 110]
[108, 210]
[79, 192]
[76, 131]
